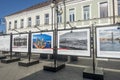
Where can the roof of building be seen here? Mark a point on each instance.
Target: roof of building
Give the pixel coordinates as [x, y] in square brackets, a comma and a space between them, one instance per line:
[39, 5]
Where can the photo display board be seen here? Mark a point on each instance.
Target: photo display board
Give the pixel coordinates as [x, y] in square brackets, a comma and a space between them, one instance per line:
[20, 43]
[5, 43]
[75, 42]
[108, 42]
[42, 42]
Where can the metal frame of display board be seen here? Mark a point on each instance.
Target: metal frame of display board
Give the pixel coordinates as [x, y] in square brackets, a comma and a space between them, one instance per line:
[42, 55]
[75, 28]
[42, 31]
[57, 68]
[93, 72]
[28, 62]
[27, 33]
[3, 56]
[113, 25]
[11, 59]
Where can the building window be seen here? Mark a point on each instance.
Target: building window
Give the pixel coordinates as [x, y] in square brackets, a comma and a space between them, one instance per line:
[71, 15]
[15, 24]
[22, 23]
[86, 12]
[103, 10]
[119, 7]
[37, 20]
[59, 18]
[29, 22]
[46, 18]
[9, 25]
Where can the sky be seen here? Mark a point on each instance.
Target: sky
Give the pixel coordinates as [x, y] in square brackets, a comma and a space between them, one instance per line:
[11, 6]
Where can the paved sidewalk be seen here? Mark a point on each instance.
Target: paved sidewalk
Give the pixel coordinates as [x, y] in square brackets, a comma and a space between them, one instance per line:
[72, 72]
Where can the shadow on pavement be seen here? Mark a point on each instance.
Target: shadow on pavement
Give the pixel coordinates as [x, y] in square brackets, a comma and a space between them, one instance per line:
[68, 73]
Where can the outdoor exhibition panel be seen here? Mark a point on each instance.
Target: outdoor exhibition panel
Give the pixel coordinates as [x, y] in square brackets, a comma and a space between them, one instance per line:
[5, 43]
[74, 42]
[20, 43]
[108, 42]
[42, 42]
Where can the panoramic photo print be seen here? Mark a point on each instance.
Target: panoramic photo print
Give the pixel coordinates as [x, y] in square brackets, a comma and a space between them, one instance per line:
[74, 40]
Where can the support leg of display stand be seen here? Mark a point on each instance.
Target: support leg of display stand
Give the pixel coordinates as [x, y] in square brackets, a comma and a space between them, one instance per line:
[2, 57]
[29, 61]
[55, 67]
[11, 59]
[93, 72]
[89, 73]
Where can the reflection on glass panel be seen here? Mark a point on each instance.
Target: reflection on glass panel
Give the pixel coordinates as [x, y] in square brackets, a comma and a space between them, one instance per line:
[72, 15]
[46, 18]
[86, 11]
[59, 18]
[103, 10]
[15, 24]
[22, 23]
[37, 20]
[118, 7]
[9, 25]
[29, 22]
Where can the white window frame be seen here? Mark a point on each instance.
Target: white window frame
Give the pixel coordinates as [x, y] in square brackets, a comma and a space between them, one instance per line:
[10, 23]
[59, 18]
[37, 21]
[118, 8]
[15, 24]
[99, 9]
[72, 14]
[21, 23]
[46, 19]
[87, 17]
[29, 22]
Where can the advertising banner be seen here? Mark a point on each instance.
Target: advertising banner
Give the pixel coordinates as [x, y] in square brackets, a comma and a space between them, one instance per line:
[75, 42]
[5, 43]
[42, 42]
[20, 43]
[108, 42]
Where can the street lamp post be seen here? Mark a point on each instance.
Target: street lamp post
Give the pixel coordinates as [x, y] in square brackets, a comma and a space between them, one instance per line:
[29, 46]
[93, 47]
[57, 11]
[11, 59]
[11, 36]
[93, 72]
[30, 61]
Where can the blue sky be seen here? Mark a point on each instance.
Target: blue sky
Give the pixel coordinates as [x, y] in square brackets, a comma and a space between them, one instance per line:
[10, 6]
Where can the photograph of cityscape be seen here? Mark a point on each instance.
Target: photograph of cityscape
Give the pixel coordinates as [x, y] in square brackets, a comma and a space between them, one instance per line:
[41, 41]
[20, 41]
[73, 40]
[109, 39]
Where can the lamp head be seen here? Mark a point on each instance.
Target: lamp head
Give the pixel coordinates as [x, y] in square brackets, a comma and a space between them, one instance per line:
[60, 11]
[52, 3]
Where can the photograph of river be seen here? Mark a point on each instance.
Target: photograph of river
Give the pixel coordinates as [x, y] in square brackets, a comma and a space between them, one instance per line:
[109, 39]
[74, 40]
